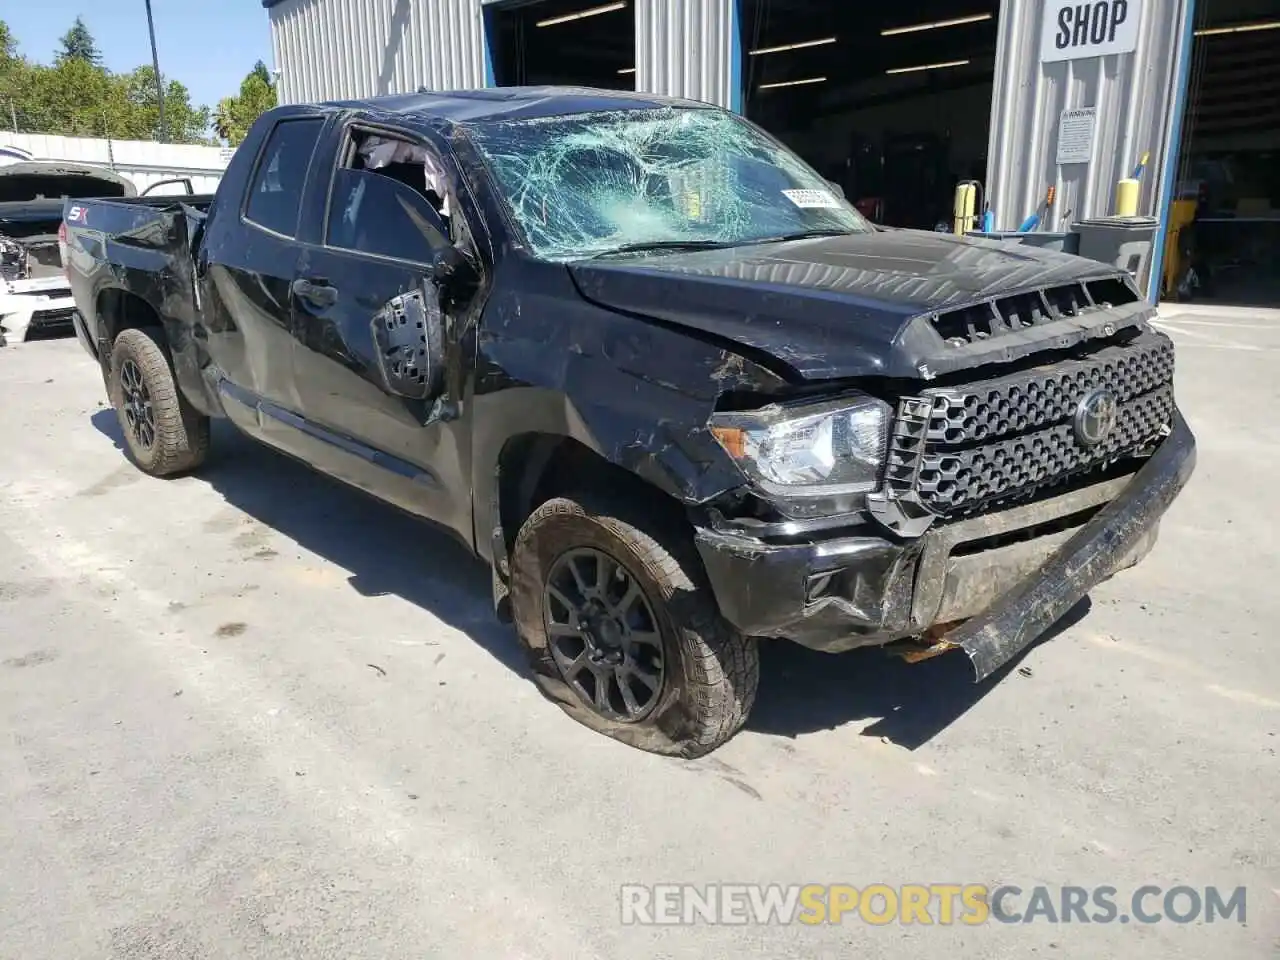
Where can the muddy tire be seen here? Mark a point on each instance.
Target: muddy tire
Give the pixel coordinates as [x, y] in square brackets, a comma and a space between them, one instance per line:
[163, 434]
[624, 633]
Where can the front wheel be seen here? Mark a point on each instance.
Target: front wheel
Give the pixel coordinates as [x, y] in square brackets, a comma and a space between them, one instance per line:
[623, 633]
[163, 434]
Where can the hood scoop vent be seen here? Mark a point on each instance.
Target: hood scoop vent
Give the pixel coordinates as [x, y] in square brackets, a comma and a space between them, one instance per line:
[1003, 315]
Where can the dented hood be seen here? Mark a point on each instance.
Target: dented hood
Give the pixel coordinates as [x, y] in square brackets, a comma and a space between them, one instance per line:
[831, 306]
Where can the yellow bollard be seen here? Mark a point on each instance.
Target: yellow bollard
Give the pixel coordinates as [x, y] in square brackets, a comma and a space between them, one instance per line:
[966, 204]
[1127, 198]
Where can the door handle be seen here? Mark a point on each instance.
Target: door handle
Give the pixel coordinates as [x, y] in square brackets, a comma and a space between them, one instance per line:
[319, 292]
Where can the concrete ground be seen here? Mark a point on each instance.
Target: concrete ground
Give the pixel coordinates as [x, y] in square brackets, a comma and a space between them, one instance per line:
[252, 714]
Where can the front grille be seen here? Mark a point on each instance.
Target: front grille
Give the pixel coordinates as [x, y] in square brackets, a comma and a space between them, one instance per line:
[958, 481]
[1048, 394]
[1011, 438]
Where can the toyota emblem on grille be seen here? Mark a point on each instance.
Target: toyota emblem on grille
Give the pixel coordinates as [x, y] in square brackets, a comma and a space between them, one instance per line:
[1095, 417]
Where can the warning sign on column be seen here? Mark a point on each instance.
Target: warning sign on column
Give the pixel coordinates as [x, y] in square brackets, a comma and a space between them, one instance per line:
[1075, 134]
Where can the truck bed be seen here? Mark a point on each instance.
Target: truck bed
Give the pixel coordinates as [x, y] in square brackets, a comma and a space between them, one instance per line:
[138, 222]
[199, 201]
[140, 245]
[122, 212]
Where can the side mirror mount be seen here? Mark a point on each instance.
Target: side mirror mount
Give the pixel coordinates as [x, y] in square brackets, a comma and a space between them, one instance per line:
[409, 335]
[446, 264]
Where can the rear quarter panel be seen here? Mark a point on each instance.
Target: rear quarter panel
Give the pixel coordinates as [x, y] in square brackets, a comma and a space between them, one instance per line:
[144, 250]
[124, 245]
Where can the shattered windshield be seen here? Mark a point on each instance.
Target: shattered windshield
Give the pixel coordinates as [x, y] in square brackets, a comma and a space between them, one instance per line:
[597, 183]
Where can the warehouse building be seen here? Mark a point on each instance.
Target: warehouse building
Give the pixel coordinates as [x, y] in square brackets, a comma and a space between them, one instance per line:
[1046, 103]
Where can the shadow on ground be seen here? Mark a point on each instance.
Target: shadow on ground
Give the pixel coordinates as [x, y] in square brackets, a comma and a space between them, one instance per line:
[386, 552]
[803, 691]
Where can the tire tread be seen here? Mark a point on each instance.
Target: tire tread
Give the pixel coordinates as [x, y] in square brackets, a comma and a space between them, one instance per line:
[182, 434]
[724, 666]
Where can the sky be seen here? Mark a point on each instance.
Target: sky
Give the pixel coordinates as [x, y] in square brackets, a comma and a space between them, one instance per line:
[208, 45]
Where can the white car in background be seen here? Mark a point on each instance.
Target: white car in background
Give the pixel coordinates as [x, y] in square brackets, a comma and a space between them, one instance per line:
[35, 300]
[10, 154]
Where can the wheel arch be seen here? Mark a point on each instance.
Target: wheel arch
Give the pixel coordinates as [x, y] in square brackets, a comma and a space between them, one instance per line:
[534, 467]
[119, 309]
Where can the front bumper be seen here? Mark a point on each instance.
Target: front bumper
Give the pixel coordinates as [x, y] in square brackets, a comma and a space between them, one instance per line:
[33, 307]
[1008, 575]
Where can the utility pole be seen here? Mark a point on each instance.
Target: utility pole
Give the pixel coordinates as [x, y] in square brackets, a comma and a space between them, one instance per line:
[155, 63]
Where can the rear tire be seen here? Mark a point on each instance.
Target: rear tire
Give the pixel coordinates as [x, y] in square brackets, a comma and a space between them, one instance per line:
[163, 434]
[668, 635]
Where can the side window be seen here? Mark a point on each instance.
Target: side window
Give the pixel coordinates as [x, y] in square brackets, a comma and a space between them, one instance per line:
[275, 195]
[373, 213]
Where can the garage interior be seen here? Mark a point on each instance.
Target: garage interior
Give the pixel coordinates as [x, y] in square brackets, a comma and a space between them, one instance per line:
[575, 42]
[891, 101]
[1224, 241]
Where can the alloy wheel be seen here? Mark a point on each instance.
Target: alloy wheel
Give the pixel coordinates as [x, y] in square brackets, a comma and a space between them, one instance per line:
[603, 635]
[138, 411]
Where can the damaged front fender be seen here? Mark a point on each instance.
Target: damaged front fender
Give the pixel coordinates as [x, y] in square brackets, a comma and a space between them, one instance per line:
[637, 395]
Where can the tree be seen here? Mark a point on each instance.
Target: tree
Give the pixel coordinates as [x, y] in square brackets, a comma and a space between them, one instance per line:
[184, 123]
[8, 45]
[235, 115]
[74, 99]
[78, 97]
[78, 44]
[13, 72]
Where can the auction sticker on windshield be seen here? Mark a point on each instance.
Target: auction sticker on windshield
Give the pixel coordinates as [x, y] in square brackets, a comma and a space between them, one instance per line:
[810, 199]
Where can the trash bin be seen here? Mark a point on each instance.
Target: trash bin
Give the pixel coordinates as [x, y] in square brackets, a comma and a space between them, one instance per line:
[1047, 240]
[1126, 242]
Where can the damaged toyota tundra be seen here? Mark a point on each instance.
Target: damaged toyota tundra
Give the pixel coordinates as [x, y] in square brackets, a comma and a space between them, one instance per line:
[656, 372]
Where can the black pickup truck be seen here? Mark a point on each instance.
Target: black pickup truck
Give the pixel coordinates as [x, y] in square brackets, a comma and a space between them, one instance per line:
[654, 370]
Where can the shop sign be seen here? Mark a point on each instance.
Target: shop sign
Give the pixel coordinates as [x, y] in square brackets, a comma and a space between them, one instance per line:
[1075, 29]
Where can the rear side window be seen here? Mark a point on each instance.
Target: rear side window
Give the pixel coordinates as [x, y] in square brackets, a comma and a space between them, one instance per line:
[275, 196]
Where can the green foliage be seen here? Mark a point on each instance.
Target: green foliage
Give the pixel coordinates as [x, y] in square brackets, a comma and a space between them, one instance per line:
[184, 123]
[8, 45]
[13, 70]
[73, 98]
[235, 115]
[78, 44]
[76, 96]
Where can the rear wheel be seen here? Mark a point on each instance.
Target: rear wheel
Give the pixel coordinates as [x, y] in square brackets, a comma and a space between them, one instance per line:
[163, 434]
[623, 633]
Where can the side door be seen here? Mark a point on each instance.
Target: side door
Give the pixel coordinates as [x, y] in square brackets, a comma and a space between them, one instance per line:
[368, 279]
[246, 268]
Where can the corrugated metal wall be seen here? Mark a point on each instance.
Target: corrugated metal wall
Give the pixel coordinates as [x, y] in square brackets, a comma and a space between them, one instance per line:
[1132, 93]
[335, 49]
[339, 49]
[686, 48]
[142, 161]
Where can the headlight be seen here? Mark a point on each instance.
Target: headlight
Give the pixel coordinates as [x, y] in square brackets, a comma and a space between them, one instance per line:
[837, 445]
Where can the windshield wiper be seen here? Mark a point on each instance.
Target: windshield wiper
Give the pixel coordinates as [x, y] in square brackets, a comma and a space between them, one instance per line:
[664, 245]
[805, 235]
[716, 244]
